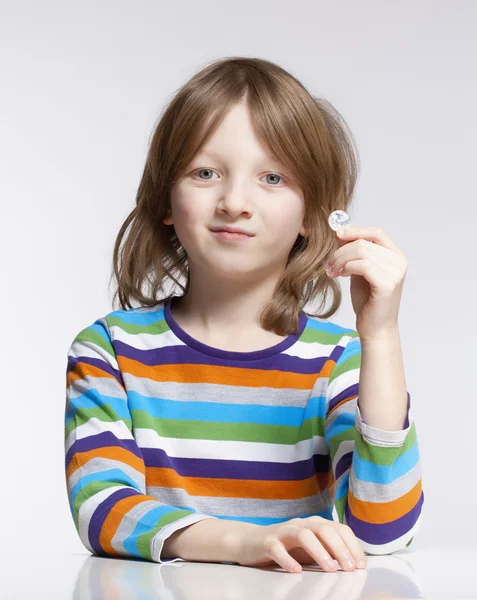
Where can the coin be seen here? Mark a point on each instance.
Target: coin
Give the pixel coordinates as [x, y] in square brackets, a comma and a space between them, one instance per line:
[338, 219]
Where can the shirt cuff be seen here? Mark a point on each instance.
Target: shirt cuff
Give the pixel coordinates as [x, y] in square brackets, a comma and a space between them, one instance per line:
[381, 437]
[168, 530]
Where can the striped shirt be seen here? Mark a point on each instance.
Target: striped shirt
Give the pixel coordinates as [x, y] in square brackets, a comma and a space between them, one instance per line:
[162, 431]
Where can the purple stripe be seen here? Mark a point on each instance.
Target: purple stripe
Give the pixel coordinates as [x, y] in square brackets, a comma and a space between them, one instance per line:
[336, 353]
[183, 355]
[237, 469]
[106, 439]
[352, 390]
[95, 362]
[373, 533]
[100, 514]
[343, 464]
[226, 354]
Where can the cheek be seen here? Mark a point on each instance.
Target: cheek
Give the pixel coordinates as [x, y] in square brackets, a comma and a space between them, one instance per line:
[282, 230]
[187, 212]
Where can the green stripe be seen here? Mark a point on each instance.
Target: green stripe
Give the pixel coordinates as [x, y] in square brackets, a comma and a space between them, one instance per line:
[91, 336]
[384, 455]
[351, 363]
[324, 337]
[240, 432]
[144, 540]
[160, 326]
[103, 413]
[334, 442]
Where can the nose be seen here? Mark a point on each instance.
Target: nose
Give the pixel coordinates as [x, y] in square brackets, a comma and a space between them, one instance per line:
[235, 199]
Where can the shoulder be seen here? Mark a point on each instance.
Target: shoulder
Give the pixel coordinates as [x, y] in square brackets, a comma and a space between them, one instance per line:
[134, 320]
[129, 321]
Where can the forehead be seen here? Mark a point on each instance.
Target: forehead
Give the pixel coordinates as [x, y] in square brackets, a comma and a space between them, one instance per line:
[259, 156]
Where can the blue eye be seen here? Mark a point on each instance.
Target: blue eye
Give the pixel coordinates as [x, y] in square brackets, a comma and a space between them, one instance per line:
[212, 171]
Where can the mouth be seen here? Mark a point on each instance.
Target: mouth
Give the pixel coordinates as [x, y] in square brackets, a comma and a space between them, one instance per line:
[231, 235]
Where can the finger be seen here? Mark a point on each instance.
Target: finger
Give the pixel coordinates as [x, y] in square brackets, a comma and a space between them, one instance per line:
[391, 272]
[352, 542]
[278, 553]
[373, 274]
[375, 234]
[334, 544]
[366, 249]
[312, 545]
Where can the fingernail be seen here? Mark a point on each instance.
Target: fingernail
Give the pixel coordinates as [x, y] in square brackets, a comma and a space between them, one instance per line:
[349, 563]
[331, 564]
[361, 564]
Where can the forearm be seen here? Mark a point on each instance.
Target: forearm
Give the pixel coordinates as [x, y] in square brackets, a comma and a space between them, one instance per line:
[209, 540]
[382, 384]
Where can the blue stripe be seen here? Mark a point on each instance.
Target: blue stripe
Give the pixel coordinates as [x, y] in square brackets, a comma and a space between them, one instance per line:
[116, 475]
[138, 318]
[228, 413]
[385, 474]
[328, 327]
[95, 399]
[352, 347]
[326, 514]
[98, 327]
[144, 525]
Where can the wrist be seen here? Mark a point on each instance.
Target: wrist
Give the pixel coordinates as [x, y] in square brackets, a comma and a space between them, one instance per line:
[384, 337]
[236, 540]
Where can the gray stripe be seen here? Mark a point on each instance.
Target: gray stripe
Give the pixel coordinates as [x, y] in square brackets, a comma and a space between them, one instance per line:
[104, 385]
[219, 393]
[98, 464]
[379, 492]
[129, 522]
[243, 507]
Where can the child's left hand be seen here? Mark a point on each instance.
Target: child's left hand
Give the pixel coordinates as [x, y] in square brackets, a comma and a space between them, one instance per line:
[377, 268]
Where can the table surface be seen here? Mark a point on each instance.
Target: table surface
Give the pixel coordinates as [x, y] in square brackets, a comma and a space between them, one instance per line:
[429, 573]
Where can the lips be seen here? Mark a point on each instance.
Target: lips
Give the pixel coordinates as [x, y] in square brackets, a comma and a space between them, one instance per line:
[232, 230]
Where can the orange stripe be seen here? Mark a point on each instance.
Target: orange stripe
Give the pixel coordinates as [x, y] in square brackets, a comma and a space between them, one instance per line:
[113, 452]
[379, 513]
[82, 369]
[238, 488]
[341, 402]
[223, 375]
[114, 518]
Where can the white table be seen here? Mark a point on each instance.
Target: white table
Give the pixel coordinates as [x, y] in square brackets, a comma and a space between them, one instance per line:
[444, 573]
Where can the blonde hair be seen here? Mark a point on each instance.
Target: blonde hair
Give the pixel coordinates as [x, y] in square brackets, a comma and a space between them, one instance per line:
[304, 133]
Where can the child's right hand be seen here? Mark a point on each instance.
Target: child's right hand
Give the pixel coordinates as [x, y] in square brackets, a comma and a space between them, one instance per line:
[301, 541]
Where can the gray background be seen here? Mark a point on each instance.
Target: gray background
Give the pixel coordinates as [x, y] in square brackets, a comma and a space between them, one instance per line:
[82, 86]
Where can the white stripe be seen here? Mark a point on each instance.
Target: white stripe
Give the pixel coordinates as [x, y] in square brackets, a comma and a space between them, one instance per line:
[345, 447]
[94, 426]
[232, 450]
[87, 509]
[91, 350]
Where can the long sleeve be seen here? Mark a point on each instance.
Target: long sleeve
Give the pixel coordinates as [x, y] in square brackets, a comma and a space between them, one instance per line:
[377, 474]
[105, 470]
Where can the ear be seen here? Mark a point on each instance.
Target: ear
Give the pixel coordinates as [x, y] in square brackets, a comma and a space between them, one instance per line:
[303, 231]
[167, 220]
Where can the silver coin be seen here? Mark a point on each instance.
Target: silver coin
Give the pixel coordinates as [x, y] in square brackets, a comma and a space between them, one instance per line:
[338, 219]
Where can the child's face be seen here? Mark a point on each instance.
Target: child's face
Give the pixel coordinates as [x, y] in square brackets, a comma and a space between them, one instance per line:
[237, 185]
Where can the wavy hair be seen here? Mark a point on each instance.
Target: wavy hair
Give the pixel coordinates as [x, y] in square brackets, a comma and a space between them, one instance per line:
[303, 132]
